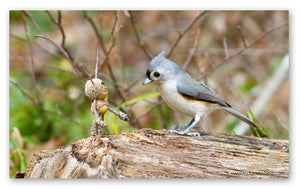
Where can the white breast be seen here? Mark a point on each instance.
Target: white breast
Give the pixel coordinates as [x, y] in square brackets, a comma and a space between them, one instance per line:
[177, 102]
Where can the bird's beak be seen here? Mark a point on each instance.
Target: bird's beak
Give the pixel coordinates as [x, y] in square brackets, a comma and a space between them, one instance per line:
[147, 81]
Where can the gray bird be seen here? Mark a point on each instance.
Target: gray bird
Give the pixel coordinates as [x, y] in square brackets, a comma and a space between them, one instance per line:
[185, 94]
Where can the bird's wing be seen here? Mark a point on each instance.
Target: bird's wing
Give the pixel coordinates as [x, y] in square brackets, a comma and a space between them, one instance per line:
[195, 90]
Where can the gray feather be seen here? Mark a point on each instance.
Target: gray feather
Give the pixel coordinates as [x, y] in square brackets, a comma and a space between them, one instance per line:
[239, 116]
[195, 90]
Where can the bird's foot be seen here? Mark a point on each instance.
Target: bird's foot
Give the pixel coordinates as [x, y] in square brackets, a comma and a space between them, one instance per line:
[177, 127]
[184, 133]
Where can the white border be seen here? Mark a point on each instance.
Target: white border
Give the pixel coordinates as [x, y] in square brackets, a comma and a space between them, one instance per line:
[292, 6]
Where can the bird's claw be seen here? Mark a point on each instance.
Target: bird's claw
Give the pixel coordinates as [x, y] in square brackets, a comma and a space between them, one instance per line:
[184, 133]
[177, 127]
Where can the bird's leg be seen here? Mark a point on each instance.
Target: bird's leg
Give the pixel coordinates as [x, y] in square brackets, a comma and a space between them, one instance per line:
[189, 127]
[177, 127]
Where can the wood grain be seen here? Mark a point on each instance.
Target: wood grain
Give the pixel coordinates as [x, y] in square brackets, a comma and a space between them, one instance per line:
[150, 153]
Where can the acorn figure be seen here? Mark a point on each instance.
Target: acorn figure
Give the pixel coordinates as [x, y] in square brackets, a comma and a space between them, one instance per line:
[101, 106]
[93, 88]
[97, 92]
[102, 95]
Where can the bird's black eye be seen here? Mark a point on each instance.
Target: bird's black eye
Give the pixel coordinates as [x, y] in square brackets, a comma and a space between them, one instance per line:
[156, 74]
[148, 74]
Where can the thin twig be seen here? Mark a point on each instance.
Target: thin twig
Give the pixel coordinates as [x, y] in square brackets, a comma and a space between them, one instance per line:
[181, 34]
[32, 62]
[97, 62]
[65, 55]
[250, 51]
[123, 116]
[142, 44]
[225, 47]
[106, 57]
[100, 40]
[116, 86]
[192, 51]
[23, 92]
[57, 113]
[39, 46]
[279, 120]
[271, 87]
[238, 27]
[41, 108]
[221, 78]
[33, 21]
[238, 52]
[58, 23]
[98, 35]
[158, 103]
[62, 31]
[18, 57]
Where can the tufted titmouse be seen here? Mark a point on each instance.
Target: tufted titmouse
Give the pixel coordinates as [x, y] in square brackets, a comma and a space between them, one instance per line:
[185, 94]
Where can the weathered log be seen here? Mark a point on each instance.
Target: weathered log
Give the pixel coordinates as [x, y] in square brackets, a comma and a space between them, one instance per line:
[149, 153]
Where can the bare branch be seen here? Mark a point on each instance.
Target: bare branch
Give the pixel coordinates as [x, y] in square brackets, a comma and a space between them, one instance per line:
[250, 51]
[242, 36]
[192, 51]
[62, 31]
[116, 86]
[58, 23]
[23, 92]
[105, 60]
[31, 61]
[100, 40]
[238, 52]
[279, 120]
[181, 34]
[225, 47]
[33, 21]
[120, 114]
[158, 103]
[65, 54]
[41, 108]
[57, 113]
[138, 37]
[97, 62]
[99, 37]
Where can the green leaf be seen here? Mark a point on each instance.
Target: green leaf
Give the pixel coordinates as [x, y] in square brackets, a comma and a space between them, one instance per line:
[261, 132]
[115, 127]
[232, 125]
[22, 160]
[266, 132]
[253, 131]
[253, 117]
[134, 100]
[248, 85]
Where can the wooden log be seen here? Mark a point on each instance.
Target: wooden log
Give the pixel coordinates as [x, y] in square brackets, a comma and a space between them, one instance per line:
[150, 153]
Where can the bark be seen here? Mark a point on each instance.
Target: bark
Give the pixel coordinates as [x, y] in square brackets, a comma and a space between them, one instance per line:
[150, 153]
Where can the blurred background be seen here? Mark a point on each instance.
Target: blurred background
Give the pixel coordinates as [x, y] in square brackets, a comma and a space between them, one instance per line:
[240, 54]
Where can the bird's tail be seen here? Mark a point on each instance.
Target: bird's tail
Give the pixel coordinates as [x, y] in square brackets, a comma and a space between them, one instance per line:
[239, 116]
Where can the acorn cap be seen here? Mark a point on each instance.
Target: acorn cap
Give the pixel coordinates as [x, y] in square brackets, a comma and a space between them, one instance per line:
[92, 90]
[103, 93]
[102, 106]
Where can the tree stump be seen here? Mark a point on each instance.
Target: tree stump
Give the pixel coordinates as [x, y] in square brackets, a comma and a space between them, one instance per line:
[150, 153]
